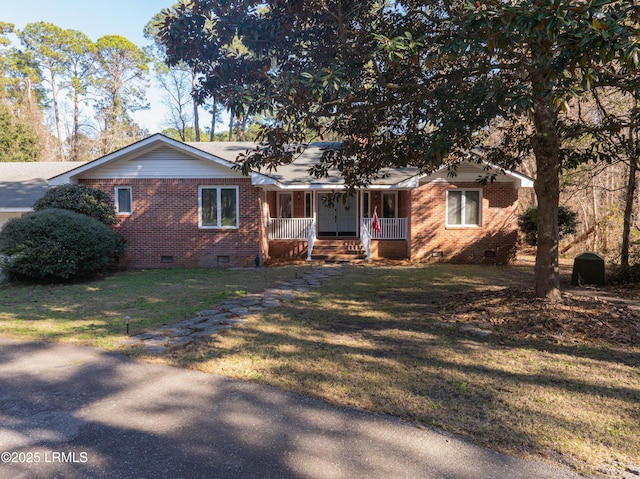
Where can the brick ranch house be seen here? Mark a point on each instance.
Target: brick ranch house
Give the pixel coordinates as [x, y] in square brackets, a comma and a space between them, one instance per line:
[183, 205]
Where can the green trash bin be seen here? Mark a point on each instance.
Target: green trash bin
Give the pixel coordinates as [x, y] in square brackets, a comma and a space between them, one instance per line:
[588, 268]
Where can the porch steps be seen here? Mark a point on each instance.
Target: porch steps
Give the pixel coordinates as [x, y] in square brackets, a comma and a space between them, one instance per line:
[338, 250]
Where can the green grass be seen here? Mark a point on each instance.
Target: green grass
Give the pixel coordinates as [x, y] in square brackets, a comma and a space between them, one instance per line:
[93, 312]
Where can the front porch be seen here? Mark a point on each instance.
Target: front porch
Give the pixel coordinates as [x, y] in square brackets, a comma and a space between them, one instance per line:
[317, 225]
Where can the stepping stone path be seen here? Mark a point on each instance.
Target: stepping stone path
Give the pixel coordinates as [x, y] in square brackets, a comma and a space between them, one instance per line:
[226, 315]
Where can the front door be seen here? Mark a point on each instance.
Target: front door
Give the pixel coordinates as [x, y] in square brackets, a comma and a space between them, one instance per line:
[337, 215]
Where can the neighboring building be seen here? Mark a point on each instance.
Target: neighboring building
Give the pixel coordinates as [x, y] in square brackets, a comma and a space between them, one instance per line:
[184, 205]
[21, 184]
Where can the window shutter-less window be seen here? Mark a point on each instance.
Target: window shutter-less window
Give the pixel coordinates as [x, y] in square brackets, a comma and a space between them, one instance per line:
[218, 207]
[209, 207]
[123, 200]
[454, 208]
[471, 208]
[228, 206]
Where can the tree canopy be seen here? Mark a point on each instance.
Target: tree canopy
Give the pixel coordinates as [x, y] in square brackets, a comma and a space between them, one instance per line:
[63, 72]
[411, 82]
[18, 141]
[122, 76]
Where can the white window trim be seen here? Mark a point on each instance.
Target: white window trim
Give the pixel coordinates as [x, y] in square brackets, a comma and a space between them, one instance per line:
[218, 189]
[462, 224]
[117, 202]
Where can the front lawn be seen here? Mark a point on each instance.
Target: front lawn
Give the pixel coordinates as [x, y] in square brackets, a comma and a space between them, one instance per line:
[557, 381]
[390, 340]
[93, 312]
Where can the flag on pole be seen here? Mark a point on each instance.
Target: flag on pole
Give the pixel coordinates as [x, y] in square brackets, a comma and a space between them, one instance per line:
[376, 221]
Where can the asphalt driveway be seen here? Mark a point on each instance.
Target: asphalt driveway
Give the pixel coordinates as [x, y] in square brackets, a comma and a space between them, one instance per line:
[73, 412]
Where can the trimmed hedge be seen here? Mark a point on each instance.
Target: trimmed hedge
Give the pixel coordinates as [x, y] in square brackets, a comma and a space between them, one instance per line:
[55, 244]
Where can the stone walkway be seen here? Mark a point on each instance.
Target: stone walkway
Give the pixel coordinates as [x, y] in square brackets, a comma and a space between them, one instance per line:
[226, 315]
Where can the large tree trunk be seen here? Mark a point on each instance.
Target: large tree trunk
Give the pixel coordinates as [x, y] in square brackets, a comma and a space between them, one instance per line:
[631, 192]
[628, 214]
[243, 129]
[546, 146]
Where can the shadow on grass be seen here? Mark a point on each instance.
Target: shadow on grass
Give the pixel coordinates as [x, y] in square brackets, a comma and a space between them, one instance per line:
[376, 340]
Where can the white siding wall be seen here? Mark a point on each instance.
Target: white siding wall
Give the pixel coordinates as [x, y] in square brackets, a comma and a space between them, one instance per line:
[163, 162]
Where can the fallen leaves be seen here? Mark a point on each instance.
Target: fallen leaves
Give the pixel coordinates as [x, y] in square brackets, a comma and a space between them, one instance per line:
[577, 319]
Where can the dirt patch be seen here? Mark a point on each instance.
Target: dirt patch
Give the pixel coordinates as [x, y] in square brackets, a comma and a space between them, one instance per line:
[579, 318]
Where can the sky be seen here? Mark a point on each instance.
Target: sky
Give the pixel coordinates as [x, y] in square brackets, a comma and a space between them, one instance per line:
[95, 18]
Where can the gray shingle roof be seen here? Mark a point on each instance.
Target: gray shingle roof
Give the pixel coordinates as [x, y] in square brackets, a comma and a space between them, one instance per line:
[21, 184]
[297, 173]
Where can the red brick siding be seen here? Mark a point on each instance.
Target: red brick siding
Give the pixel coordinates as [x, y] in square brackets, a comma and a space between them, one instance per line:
[389, 249]
[498, 231]
[164, 222]
[287, 249]
[272, 201]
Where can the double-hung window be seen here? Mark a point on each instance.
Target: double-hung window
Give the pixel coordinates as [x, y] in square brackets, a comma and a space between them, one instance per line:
[123, 202]
[218, 206]
[464, 208]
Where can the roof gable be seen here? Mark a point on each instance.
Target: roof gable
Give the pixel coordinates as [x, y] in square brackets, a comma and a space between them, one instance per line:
[472, 171]
[154, 157]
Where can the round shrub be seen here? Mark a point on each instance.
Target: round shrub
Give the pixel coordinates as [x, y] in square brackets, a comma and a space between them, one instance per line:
[81, 199]
[528, 223]
[56, 244]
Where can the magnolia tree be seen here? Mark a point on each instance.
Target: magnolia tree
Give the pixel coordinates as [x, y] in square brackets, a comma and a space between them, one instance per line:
[411, 83]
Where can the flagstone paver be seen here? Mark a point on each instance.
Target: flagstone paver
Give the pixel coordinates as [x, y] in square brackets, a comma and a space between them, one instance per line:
[209, 322]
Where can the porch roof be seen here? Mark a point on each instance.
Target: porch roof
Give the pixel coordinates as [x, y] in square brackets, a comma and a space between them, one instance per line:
[296, 174]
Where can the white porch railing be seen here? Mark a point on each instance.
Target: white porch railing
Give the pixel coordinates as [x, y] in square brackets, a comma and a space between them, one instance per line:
[304, 229]
[390, 228]
[294, 229]
[290, 228]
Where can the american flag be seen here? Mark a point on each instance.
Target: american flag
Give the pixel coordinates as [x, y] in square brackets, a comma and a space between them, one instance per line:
[376, 221]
